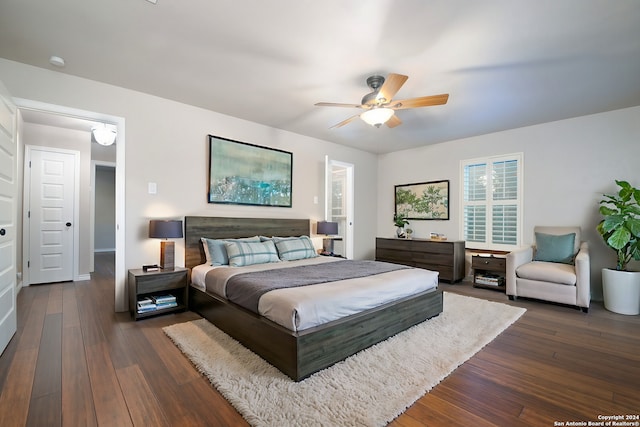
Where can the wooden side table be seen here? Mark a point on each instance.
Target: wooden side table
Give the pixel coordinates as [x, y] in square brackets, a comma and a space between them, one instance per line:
[489, 272]
[143, 284]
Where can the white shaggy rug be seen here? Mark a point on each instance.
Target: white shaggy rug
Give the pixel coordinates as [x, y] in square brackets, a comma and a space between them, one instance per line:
[370, 388]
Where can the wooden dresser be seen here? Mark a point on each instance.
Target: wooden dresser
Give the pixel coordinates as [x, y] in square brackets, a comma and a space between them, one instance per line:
[445, 257]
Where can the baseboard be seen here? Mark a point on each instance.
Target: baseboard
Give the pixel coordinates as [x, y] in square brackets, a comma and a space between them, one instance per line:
[82, 277]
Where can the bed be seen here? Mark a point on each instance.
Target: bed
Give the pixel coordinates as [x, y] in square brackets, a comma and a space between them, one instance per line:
[297, 353]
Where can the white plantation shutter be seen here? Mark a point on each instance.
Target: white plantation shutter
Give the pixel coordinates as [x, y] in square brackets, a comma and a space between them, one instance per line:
[491, 202]
[475, 202]
[475, 222]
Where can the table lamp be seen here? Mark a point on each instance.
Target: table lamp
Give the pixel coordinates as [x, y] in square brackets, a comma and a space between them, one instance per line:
[166, 229]
[327, 228]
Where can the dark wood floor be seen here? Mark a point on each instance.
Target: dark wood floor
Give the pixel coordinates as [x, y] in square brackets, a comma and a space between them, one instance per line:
[75, 362]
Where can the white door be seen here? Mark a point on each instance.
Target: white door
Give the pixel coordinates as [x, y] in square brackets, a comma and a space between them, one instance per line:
[8, 212]
[52, 176]
[339, 203]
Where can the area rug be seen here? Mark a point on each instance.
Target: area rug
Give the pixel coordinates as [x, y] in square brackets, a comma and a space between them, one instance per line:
[370, 388]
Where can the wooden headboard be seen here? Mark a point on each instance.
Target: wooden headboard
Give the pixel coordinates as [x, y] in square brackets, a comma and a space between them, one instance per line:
[197, 227]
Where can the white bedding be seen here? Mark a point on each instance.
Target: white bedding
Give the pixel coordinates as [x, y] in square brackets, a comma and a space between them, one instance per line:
[303, 307]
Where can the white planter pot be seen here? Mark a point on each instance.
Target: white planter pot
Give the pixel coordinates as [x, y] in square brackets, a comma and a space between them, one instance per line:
[621, 291]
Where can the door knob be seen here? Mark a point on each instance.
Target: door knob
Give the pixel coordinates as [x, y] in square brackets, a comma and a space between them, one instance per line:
[3, 231]
[68, 224]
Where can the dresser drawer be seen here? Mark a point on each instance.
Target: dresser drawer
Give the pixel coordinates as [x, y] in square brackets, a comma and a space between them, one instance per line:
[446, 257]
[433, 258]
[444, 247]
[393, 244]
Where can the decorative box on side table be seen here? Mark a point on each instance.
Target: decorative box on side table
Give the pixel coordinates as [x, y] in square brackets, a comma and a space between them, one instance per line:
[153, 284]
[489, 272]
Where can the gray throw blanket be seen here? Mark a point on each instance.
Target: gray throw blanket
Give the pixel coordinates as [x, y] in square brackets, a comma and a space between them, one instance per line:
[245, 289]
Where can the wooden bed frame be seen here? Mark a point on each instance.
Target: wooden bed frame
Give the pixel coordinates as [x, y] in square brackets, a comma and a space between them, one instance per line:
[296, 354]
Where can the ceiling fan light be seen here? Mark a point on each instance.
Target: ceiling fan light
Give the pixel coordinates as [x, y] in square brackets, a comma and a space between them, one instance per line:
[377, 116]
[104, 134]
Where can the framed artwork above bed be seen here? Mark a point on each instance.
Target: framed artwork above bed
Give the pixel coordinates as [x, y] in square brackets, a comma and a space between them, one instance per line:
[246, 174]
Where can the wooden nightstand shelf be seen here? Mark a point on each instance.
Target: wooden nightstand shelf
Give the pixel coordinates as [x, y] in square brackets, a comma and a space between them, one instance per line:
[144, 284]
[489, 272]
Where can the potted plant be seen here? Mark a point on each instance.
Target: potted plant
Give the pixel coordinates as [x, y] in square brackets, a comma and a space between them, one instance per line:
[620, 230]
[400, 221]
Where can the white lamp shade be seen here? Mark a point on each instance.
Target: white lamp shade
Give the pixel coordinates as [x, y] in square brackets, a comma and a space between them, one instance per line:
[377, 116]
[104, 134]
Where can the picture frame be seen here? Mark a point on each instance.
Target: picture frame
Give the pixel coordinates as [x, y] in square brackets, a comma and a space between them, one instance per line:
[241, 173]
[423, 200]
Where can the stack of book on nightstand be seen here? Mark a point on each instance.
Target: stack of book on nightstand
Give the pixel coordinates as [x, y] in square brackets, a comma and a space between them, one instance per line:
[145, 305]
[164, 301]
[489, 279]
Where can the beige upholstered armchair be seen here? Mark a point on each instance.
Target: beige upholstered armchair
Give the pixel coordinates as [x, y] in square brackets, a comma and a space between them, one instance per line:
[555, 268]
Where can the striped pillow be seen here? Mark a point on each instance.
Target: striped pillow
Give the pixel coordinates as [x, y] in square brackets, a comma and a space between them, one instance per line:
[248, 253]
[215, 251]
[293, 248]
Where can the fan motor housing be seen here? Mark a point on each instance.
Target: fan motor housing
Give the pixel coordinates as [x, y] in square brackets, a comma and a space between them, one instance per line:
[374, 82]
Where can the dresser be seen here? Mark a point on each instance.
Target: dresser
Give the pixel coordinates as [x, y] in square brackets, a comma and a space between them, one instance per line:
[445, 257]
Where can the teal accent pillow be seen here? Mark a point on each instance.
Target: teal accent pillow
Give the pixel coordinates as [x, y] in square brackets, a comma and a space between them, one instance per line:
[249, 253]
[216, 252]
[293, 248]
[553, 248]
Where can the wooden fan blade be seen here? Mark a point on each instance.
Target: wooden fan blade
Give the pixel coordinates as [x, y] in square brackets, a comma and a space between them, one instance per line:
[335, 104]
[423, 101]
[394, 121]
[390, 87]
[344, 122]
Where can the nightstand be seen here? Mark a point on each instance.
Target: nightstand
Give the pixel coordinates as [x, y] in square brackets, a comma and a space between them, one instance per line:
[489, 272]
[152, 285]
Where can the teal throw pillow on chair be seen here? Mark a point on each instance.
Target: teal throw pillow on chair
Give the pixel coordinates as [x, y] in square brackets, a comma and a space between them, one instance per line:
[553, 248]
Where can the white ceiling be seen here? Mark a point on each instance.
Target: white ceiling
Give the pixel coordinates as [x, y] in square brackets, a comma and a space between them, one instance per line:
[505, 63]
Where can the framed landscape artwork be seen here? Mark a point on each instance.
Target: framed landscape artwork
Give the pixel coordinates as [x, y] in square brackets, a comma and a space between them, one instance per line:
[246, 174]
[424, 200]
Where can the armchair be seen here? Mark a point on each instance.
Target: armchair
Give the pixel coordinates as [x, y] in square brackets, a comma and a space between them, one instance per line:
[551, 269]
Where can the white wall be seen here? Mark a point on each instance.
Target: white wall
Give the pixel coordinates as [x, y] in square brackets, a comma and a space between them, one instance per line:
[166, 143]
[568, 164]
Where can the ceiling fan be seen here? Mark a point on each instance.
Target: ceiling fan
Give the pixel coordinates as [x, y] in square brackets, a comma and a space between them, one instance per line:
[379, 105]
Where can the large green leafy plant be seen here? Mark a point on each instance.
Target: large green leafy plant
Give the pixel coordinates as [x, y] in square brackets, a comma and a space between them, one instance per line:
[620, 227]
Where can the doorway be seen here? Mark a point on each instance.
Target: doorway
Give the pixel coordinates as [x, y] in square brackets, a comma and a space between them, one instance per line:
[119, 122]
[339, 196]
[103, 208]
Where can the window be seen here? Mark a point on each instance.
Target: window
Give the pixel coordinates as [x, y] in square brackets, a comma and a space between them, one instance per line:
[492, 202]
